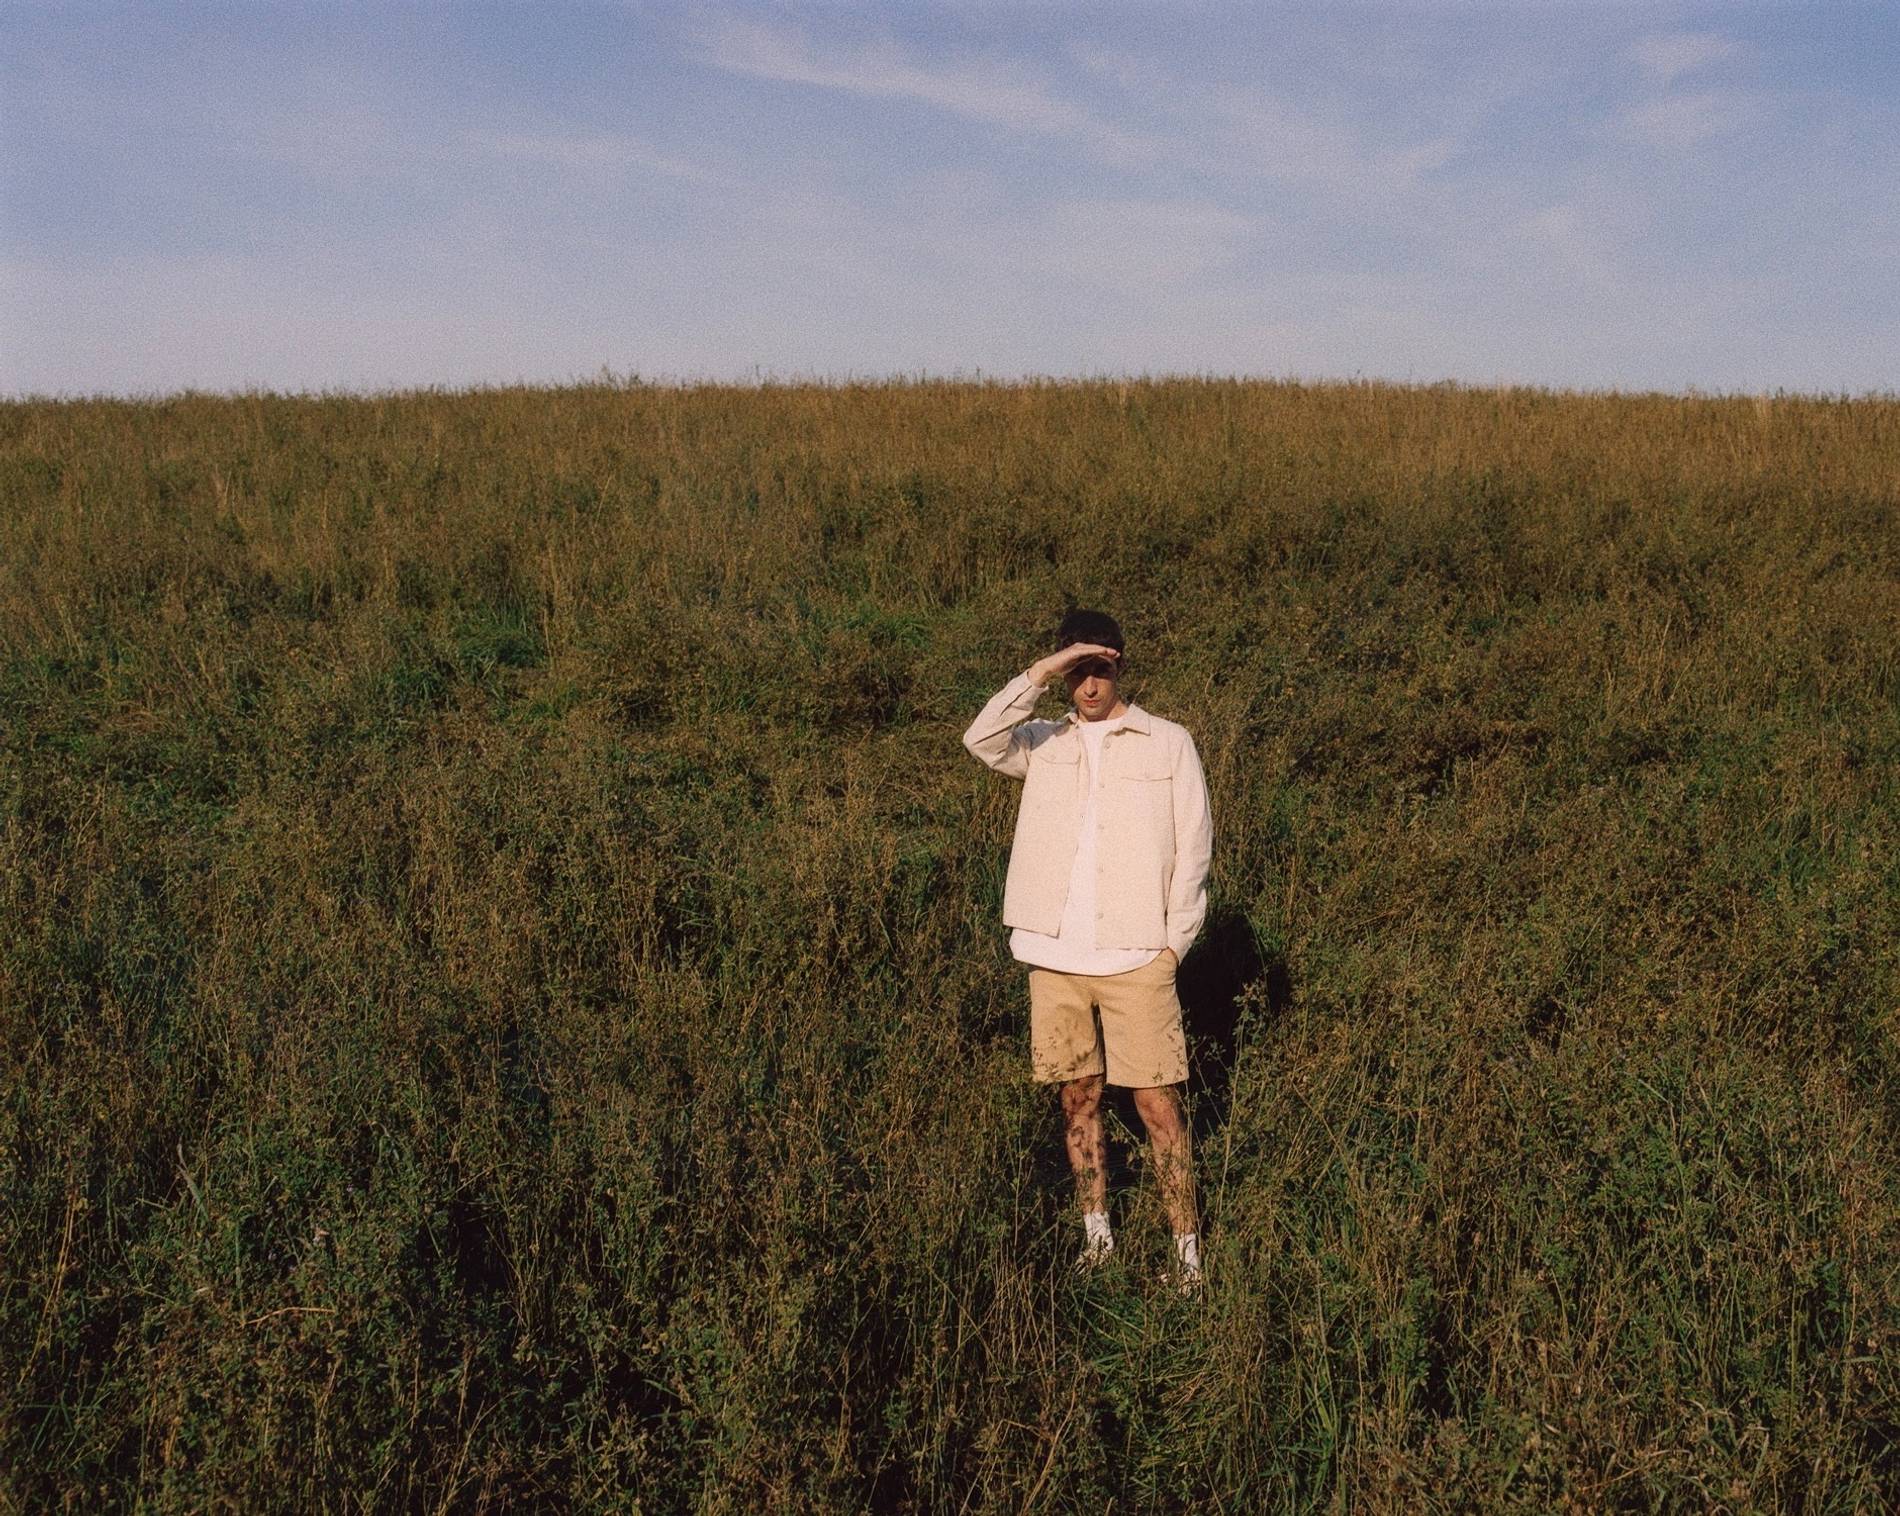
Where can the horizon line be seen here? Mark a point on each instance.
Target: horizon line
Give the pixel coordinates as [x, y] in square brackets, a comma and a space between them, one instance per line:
[761, 381]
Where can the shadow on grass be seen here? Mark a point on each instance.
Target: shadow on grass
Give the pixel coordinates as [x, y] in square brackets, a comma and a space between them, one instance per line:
[1222, 967]
[1214, 984]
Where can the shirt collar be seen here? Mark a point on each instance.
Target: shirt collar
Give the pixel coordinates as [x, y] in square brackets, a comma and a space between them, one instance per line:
[1134, 719]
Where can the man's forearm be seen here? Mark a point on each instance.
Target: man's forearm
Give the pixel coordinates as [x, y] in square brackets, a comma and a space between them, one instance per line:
[991, 737]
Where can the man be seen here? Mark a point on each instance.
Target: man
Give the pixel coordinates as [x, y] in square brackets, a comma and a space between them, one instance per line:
[1106, 889]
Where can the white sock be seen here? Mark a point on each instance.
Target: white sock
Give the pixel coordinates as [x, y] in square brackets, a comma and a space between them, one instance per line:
[1187, 1246]
[1095, 1223]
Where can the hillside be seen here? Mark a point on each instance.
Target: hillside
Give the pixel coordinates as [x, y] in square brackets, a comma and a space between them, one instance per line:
[502, 997]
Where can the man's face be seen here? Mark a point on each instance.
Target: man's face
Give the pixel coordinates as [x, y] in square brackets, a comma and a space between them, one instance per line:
[1093, 687]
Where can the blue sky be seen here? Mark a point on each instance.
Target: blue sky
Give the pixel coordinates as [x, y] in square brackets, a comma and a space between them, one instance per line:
[1637, 196]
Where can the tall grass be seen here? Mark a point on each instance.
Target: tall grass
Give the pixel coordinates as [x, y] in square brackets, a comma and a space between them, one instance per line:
[502, 997]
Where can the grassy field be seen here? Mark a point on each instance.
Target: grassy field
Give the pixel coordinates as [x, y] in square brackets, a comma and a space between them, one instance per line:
[502, 998]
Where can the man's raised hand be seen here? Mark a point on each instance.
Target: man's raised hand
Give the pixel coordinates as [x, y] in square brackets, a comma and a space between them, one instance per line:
[1045, 669]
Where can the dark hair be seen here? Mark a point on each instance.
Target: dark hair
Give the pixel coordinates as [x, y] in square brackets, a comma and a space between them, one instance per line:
[1089, 626]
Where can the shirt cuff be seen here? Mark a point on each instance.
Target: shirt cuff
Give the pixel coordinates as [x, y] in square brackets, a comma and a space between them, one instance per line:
[1023, 692]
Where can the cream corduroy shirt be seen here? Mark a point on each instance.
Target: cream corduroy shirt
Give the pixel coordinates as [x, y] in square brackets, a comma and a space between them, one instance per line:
[1074, 950]
[1154, 838]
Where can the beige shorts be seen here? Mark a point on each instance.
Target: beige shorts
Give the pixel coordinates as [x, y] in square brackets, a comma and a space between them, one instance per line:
[1137, 1039]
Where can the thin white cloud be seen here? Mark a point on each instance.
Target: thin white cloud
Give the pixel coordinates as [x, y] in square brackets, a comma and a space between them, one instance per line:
[979, 90]
[1666, 56]
[590, 152]
[1132, 71]
[1228, 128]
[1283, 142]
[1679, 122]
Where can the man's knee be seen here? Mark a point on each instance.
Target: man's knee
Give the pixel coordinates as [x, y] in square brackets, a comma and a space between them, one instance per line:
[1081, 1097]
[1160, 1110]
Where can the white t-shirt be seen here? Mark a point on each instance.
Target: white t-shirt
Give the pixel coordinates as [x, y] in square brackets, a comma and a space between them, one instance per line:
[1072, 950]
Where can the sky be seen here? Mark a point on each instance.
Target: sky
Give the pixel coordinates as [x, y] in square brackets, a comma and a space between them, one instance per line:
[386, 195]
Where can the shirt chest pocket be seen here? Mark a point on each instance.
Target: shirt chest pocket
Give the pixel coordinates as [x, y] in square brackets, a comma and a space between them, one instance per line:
[1138, 764]
[1142, 805]
[1053, 771]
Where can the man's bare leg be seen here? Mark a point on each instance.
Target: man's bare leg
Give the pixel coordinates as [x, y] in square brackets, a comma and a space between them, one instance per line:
[1172, 1143]
[1088, 1146]
[1088, 1157]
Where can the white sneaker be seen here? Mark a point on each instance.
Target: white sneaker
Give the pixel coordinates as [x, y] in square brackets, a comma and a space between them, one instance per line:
[1186, 1280]
[1093, 1256]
